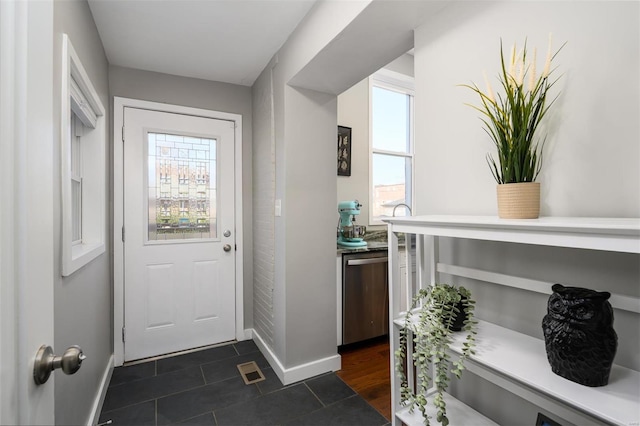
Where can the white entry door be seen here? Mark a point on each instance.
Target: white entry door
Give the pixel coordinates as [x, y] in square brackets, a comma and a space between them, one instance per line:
[179, 242]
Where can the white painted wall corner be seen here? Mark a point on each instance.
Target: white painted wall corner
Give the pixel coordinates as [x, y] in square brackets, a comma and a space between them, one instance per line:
[300, 372]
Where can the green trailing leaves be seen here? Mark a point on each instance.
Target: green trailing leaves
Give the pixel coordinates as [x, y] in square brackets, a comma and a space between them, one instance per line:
[428, 327]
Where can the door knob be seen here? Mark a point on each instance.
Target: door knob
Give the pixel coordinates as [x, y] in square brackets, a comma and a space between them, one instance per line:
[226, 247]
[46, 362]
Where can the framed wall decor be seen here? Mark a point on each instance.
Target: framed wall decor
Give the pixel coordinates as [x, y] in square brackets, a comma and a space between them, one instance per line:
[344, 151]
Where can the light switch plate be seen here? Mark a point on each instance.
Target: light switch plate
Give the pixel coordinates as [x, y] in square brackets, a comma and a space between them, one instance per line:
[278, 208]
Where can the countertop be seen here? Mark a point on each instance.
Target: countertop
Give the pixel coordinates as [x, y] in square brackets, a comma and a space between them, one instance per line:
[371, 246]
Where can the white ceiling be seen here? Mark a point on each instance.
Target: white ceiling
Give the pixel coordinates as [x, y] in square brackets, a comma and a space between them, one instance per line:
[221, 40]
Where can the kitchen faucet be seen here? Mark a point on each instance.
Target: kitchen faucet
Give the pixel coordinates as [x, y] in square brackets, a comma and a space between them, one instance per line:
[401, 204]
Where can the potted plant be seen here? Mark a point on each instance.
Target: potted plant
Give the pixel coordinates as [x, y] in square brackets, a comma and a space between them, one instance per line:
[511, 118]
[430, 321]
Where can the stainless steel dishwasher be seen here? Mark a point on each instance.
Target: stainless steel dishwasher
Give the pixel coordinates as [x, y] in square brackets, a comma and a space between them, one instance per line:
[365, 296]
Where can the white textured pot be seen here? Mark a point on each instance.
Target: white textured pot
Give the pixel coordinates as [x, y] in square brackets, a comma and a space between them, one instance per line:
[519, 200]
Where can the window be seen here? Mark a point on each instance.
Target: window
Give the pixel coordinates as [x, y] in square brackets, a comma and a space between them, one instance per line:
[83, 138]
[181, 206]
[391, 171]
[75, 134]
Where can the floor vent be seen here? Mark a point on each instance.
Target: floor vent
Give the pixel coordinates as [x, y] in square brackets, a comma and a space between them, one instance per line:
[250, 373]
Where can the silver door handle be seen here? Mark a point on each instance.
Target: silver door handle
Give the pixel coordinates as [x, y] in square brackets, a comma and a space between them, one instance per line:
[46, 362]
[367, 261]
[226, 247]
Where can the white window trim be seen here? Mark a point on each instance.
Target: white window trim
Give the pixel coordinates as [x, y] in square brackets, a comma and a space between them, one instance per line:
[79, 96]
[401, 83]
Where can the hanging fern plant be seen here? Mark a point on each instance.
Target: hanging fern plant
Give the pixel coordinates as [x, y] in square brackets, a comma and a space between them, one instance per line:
[430, 321]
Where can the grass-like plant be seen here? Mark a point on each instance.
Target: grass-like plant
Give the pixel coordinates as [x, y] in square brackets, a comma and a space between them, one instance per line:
[430, 321]
[512, 118]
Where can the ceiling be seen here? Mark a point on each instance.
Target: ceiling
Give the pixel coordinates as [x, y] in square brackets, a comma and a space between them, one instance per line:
[229, 41]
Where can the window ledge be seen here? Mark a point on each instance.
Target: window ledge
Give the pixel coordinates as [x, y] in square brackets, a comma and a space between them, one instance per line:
[81, 254]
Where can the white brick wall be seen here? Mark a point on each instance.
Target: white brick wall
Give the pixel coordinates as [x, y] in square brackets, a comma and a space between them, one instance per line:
[263, 214]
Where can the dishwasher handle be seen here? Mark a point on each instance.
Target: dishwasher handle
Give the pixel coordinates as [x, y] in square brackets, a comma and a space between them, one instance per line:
[369, 261]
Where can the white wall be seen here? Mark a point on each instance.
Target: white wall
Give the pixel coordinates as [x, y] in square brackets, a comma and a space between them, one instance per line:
[82, 301]
[592, 158]
[353, 111]
[264, 187]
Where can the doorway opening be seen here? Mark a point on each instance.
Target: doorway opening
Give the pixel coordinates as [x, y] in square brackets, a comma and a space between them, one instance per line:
[381, 179]
[366, 369]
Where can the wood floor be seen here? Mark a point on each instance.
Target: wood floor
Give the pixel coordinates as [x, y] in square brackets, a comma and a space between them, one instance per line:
[365, 367]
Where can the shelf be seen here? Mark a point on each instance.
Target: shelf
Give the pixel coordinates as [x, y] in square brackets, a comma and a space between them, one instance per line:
[514, 361]
[523, 358]
[457, 412]
[610, 234]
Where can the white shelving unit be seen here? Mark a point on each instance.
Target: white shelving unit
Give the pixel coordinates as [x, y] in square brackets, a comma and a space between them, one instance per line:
[512, 360]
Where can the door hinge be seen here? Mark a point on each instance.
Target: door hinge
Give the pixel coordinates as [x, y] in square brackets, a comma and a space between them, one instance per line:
[123, 234]
[122, 133]
[123, 334]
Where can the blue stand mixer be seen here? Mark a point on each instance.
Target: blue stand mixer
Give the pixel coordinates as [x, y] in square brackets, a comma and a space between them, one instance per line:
[350, 234]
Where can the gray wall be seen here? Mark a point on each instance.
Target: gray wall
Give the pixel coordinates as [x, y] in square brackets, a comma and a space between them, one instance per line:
[303, 299]
[82, 301]
[303, 124]
[211, 95]
[592, 158]
[309, 202]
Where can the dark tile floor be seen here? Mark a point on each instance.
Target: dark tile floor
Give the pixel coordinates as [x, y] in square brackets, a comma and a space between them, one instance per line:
[205, 388]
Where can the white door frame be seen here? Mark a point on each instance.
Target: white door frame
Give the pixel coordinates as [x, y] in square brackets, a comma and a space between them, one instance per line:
[118, 210]
[27, 139]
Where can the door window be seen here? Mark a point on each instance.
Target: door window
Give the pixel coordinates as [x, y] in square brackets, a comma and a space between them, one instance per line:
[182, 188]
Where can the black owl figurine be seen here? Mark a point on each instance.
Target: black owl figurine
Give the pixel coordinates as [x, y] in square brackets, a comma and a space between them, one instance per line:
[579, 336]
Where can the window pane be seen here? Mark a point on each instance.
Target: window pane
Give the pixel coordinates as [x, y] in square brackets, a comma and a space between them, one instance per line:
[76, 210]
[75, 130]
[390, 120]
[76, 159]
[391, 183]
[182, 187]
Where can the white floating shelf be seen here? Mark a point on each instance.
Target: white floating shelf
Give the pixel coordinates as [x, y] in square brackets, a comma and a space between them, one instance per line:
[457, 413]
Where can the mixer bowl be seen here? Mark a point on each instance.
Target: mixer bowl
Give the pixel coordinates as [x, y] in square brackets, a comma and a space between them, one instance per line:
[353, 232]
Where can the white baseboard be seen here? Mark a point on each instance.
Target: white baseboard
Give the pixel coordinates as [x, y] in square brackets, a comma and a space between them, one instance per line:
[299, 372]
[248, 334]
[96, 407]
